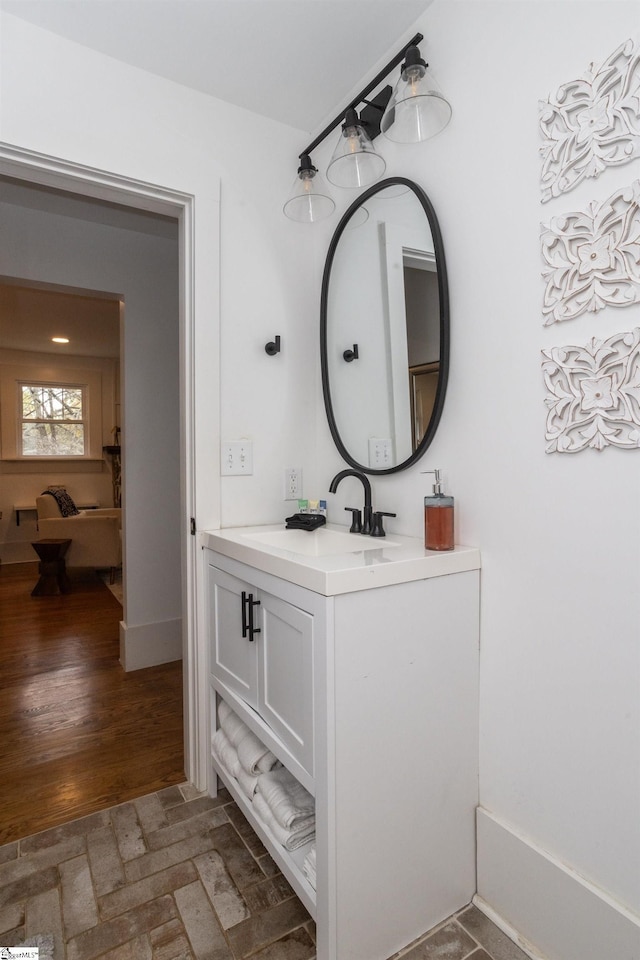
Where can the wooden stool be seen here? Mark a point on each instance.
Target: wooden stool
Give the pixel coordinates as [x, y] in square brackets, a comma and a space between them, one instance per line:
[52, 569]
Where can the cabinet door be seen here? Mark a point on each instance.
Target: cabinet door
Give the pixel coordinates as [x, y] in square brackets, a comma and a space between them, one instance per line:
[233, 657]
[285, 682]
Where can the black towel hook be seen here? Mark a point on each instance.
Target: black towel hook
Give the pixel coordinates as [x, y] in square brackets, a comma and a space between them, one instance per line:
[273, 347]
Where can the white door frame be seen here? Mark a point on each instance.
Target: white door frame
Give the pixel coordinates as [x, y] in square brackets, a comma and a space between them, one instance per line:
[90, 182]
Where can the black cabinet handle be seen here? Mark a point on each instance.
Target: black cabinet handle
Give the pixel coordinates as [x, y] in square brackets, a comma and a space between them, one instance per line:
[251, 604]
[248, 603]
[245, 625]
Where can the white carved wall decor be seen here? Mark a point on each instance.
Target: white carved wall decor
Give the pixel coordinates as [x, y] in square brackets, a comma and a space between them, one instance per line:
[592, 257]
[593, 123]
[594, 394]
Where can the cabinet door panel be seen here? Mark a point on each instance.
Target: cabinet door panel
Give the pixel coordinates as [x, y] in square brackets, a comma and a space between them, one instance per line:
[233, 657]
[285, 663]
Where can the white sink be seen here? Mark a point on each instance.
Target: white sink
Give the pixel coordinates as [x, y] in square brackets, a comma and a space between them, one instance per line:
[318, 543]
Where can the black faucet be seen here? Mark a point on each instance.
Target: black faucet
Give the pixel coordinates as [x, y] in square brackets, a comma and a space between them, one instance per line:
[367, 512]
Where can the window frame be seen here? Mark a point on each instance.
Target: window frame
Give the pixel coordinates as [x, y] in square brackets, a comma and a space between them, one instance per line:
[23, 371]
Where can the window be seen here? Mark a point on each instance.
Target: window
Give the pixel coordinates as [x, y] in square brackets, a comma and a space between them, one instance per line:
[53, 410]
[53, 421]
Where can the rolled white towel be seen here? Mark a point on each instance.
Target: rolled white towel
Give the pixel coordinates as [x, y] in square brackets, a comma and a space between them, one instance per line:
[254, 756]
[223, 710]
[287, 799]
[233, 726]
[247, 782]
[292, 838]
[225, 753]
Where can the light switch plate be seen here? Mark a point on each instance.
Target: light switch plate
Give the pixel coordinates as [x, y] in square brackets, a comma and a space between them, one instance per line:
[380, 449]
[236, 458]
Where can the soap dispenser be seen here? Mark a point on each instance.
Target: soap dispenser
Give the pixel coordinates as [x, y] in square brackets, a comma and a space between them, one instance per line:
[438, 517]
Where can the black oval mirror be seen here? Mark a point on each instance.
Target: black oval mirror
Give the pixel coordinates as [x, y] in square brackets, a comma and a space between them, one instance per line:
[384, 328]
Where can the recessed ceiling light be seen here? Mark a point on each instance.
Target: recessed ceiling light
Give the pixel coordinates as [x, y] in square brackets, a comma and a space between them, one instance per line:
[60, 339]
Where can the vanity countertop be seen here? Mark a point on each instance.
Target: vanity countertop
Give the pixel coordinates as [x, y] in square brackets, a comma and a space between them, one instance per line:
[331, 561]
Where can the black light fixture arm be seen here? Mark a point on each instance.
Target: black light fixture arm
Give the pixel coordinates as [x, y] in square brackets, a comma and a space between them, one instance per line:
[363, 93]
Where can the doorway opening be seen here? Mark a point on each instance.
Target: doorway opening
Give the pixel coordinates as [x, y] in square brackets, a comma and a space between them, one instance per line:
[111, 196]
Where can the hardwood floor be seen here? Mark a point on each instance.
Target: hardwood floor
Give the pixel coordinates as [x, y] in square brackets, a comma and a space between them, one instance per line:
[77, 733]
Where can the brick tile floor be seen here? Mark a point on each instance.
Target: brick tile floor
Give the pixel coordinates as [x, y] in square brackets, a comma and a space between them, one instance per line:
[179, 876]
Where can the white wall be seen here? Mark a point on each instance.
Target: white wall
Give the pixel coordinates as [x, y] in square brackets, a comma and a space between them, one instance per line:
[560, 705]
[559, 534]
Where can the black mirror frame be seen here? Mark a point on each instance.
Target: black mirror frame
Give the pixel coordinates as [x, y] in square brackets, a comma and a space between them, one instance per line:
[443, 293]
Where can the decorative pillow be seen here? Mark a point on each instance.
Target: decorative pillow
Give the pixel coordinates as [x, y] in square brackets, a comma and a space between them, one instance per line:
[66, 504]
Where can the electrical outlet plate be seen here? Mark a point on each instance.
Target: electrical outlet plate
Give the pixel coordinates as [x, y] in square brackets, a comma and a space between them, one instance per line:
[292, 483]
[236, 458]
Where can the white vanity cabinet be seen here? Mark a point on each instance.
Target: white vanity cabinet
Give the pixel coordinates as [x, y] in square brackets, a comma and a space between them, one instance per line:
[370, 697]
[261, 648]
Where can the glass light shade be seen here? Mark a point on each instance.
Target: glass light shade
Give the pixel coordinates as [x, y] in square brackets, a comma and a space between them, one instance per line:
[417, 109]
[357, 218]
[355, 162]
[309, 199]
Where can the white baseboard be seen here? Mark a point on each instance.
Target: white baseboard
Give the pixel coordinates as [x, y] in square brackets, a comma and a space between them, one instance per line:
[550, 911]
[150, 644]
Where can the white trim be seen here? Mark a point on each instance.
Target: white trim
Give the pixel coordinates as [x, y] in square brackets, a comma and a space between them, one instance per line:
[556, 912]
[514, 935]
[91, 182]
[150, 644]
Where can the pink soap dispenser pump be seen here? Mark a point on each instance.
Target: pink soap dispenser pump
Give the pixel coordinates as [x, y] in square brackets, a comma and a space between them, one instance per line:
[438, 517]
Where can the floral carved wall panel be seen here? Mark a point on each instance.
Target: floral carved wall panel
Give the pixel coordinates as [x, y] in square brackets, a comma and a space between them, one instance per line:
[593, 394]
[592, 123]
[592, 257]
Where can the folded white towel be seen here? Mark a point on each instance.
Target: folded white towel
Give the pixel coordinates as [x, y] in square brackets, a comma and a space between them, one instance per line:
[287, 799]
[225, 753]
[291, 839]
[254, 756]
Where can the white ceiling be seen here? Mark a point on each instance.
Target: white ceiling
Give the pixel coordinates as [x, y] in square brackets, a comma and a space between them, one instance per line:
[31, 314]
[296, 61]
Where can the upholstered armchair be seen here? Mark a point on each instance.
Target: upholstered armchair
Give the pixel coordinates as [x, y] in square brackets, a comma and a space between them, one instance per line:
[95, 534]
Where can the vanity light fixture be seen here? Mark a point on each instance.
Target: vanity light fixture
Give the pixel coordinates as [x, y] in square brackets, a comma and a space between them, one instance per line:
[415, 110]
[59, 339]
[309, 199]
[355, 161]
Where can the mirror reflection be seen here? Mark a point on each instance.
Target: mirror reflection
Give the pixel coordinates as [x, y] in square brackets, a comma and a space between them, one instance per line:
[385, 328]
